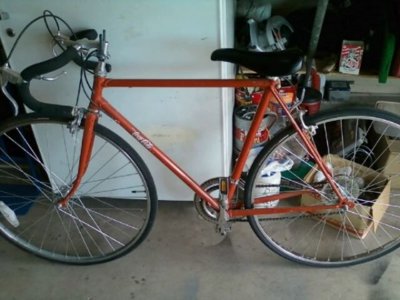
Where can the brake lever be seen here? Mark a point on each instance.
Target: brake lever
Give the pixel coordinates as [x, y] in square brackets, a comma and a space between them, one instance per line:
[65, 40]
[45, 78]
[7, 75]
[10, 98]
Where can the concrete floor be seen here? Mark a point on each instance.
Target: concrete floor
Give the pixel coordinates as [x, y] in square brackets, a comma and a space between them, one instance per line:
[184, 259]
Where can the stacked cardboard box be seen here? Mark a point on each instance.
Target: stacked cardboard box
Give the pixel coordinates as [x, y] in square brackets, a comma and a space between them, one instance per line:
[359, 220]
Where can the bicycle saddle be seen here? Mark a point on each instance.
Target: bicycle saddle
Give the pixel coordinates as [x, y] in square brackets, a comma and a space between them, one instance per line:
[282, 63]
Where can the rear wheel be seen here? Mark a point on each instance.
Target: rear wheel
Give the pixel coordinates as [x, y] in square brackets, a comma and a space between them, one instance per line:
[110, 214]
[357, 144]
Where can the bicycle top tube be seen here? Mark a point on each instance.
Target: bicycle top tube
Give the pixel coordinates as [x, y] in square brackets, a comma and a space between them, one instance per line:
[187, 83]
[267, 64]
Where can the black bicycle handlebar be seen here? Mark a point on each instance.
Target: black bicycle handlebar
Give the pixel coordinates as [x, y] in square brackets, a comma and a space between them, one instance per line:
[50, 65]
[70, 54]
[90, 34]
[42, 68]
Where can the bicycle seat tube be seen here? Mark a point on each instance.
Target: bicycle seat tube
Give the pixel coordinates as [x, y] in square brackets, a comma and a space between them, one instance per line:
[249, 141]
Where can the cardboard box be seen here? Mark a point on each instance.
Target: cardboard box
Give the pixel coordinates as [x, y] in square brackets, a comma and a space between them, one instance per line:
[362, 217]
[387, 150]
[389, 159]
[351, 56]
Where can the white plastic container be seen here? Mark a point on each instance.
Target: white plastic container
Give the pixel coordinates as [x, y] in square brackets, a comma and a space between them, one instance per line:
[271, 175]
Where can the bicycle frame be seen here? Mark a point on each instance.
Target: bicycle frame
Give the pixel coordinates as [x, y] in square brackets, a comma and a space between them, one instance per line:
[99, 103]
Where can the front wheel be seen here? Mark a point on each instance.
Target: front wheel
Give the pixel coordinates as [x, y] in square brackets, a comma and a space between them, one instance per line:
[109, 215]
[359, 146]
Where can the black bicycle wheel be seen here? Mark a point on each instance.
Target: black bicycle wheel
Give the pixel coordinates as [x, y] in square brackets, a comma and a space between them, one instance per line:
[110, 214]
[371, 180]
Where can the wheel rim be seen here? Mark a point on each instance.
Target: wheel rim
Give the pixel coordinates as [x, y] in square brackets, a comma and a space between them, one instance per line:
[109, 214]
[312, 239]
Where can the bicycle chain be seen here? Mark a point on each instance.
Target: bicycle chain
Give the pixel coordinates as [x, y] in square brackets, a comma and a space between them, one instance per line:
[305, 216]
[288, 218]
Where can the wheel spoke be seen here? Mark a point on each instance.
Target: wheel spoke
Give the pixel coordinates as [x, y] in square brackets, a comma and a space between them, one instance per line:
[347, 236]
[111, 212]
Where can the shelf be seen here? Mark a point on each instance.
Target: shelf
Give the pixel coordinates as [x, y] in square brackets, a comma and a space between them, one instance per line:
[368, 84]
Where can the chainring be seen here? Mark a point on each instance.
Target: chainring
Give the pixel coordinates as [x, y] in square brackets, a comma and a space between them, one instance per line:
[204, 210]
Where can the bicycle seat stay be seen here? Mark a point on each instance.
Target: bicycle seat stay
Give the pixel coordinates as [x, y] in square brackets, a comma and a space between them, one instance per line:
[272, 64]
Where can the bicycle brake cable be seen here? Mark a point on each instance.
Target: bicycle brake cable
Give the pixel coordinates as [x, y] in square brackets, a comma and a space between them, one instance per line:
[83, 75]
[46, 14]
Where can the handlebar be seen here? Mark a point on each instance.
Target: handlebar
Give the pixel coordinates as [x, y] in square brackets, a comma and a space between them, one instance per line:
[47, 66]
[50, 65]
[72, 53]
[89, 34]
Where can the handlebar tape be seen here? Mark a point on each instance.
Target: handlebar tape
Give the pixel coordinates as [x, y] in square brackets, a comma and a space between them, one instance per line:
[71, 54]
[89, 34]
[45, 109]
[42, 68]
[50, 65]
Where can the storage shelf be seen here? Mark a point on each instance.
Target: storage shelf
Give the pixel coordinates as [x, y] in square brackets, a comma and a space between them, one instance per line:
[368, 84]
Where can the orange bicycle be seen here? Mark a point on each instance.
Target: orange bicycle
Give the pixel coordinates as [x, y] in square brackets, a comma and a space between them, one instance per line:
[88, 197]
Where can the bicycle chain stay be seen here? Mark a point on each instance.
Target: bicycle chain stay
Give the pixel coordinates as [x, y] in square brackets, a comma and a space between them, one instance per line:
[305, 216]
[244, 219]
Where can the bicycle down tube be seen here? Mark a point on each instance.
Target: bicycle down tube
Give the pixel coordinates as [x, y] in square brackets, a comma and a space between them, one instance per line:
[100, 103]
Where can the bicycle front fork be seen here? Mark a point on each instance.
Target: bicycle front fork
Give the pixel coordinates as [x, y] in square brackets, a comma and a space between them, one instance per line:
[91, 118]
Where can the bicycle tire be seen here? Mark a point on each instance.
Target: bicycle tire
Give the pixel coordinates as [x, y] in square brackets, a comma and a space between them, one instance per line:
[111, 213]
[333, 238]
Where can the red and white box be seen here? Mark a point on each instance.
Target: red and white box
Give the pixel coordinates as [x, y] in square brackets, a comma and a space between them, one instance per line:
[351, 57]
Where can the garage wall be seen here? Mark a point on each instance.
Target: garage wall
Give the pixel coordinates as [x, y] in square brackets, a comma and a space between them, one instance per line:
[149, 39]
